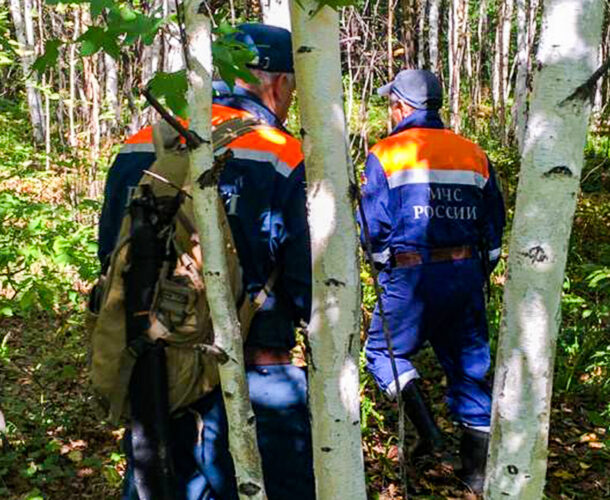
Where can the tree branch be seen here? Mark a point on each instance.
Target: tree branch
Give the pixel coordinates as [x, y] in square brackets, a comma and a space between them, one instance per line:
[191, 138]
[584, 91]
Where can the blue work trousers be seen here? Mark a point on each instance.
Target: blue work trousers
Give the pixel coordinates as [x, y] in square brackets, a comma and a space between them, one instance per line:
[443, 303]
[200, 449]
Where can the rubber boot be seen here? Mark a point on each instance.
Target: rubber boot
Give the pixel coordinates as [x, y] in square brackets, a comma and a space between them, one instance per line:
[430, 438]
[473, 452]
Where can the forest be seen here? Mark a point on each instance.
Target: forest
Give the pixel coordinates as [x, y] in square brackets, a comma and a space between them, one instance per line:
[526, 80]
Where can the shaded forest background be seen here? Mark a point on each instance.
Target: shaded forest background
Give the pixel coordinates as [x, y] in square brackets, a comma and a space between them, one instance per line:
[59, 130]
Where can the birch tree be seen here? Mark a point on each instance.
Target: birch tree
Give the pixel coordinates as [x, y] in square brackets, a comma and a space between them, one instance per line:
[207, 208]
[433, 29]
[519, 108]
[24, 31]
[334, 329]
[276, 13]
[546, 199]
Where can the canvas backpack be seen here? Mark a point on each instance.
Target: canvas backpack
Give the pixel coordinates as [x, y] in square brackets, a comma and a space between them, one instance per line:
[179, 313]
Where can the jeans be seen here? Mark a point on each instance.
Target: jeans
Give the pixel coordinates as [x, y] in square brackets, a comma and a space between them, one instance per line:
[200, 449]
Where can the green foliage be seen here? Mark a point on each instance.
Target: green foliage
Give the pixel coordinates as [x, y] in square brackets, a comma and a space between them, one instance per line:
[7, 51]
[172, 88]
[44, 250]
[231, 56]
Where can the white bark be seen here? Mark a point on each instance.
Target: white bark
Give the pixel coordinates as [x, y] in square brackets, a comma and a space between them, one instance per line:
[421, 19]
[433, 29]
[481, 37]
[276, 12]
[458, 18]
[520, 105]
[335, 321]
[546, 200]
[112, 88]
[207, 208]
[507, 24]
[24, 31]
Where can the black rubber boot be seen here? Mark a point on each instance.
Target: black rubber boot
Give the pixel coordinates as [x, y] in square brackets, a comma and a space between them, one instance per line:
[430, 438]
[473, 452]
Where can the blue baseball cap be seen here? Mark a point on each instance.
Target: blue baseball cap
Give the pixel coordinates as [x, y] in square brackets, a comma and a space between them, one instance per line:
[417, 87]
[271, 44]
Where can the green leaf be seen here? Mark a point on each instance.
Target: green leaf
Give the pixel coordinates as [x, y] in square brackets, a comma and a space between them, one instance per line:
[98, 6]
[6, 311]
[172, 87]
[231, 57]
[96, 38]
[49, 57]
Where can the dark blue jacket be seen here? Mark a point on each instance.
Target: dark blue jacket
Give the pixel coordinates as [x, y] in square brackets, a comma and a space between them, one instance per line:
[263, 188]
[425, 187]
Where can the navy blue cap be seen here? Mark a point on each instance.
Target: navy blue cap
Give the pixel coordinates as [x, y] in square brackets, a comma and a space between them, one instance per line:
[417, 87]
[271, 44]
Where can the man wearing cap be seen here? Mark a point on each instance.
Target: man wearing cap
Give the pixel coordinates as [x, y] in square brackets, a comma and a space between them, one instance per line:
[263, 187]
[435, 217]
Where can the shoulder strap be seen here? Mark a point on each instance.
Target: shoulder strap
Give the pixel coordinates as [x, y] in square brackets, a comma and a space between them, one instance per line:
[229, 130]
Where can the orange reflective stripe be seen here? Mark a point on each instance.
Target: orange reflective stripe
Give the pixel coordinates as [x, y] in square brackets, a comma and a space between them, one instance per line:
[431, 149]
[265, 143]
[223, 113]
[272, 145]
[144, 136]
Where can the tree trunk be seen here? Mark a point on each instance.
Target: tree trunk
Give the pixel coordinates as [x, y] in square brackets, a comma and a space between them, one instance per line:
[507, 24]
[24, 31]
[334, 329]
[478, 64]
[112, 89]
[546, 200]
[72, 77]
[207, 207]
[520, 106]
[409, 22]
[421, 21]
[458, 23]
[276, 12]
[433, 29]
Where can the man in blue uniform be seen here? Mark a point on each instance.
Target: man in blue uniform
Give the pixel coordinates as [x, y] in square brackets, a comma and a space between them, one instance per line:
[263, 187]
[435, 216]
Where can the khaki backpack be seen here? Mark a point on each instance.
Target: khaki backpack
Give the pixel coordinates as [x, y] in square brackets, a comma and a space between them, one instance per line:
[180, 313]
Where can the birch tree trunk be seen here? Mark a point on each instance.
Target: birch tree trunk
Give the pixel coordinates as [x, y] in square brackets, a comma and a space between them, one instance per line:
[433, 28]
[421, 20]
[276, 12]
[546, 200]
[478, 65]
[507, 25]
[520, 105]
[207, 208]
[24, 31]
[112, 88]
[334, 329]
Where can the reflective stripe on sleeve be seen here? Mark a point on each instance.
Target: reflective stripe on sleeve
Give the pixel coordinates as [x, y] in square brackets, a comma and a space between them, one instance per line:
[137, 148]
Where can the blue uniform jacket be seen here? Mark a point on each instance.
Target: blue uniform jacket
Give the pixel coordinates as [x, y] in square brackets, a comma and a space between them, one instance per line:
[263, 188]
[425, 187]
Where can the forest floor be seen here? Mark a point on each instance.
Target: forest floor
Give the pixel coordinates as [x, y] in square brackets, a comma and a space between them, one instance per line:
[57, 446]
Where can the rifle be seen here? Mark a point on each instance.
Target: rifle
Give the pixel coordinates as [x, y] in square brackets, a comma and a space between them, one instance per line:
[151, 230]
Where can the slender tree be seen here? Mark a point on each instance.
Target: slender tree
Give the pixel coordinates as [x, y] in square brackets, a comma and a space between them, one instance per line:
[21, 12]
[334, 329]
[208, 217]
[433, 29]
[546, 199]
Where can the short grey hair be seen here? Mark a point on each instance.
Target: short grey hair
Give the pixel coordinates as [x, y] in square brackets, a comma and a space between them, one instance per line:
[265, 78]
